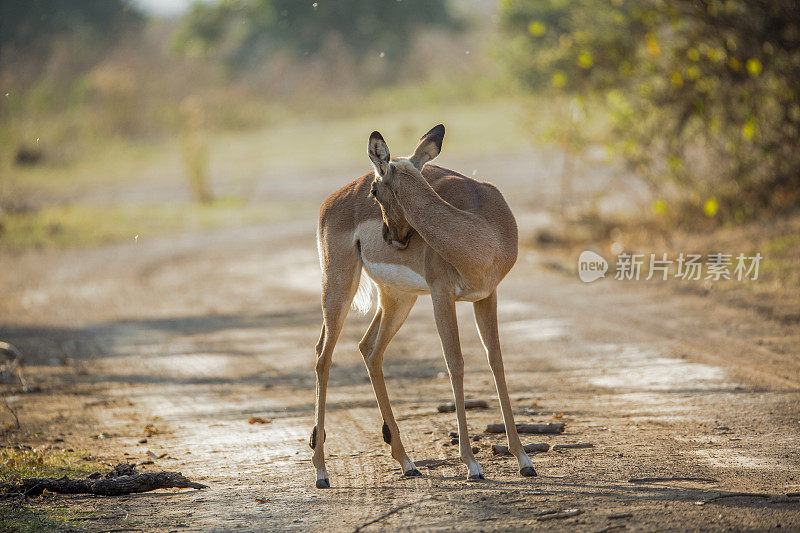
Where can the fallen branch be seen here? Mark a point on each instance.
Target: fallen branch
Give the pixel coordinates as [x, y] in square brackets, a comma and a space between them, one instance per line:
[390, 513]
[576, 446]
[569, 513]
[450, 407]
[552, 427]
[735, 495]
[499, 449]
[122, 480]
[662, 479]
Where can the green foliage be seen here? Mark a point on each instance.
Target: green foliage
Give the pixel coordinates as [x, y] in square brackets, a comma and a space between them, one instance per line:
[244, 32]
[704, 95]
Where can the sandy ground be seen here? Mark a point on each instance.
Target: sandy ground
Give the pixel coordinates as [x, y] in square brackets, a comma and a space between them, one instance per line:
[197, 333]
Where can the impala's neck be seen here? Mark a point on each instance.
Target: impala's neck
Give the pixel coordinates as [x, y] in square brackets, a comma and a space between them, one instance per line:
[451, 232]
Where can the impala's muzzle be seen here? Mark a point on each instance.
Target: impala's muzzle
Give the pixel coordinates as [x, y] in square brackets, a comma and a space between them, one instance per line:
[401, 243]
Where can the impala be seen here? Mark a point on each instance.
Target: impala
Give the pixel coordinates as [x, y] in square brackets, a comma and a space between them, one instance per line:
[414, 228]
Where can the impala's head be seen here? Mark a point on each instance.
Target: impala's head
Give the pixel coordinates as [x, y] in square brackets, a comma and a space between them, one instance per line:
[396, 229]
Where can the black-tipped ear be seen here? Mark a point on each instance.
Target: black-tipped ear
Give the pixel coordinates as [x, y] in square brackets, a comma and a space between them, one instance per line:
[378, 153]
[436, 134]
[429, 147]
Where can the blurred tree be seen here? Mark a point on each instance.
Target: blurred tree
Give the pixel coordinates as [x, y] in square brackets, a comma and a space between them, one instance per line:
[704, 92]
[29, 29]
[245, 31]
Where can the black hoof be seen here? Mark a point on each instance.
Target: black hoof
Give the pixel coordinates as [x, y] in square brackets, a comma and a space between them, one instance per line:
[323, 484]
[528, 471]
[412, 473]
[476, 477]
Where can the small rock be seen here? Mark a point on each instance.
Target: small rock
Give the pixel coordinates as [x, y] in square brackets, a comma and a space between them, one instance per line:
[142, 441]
[475, 449]
[453, 441]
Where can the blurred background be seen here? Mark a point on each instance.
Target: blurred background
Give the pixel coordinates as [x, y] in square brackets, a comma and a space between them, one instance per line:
[162, 164]
[628, 125]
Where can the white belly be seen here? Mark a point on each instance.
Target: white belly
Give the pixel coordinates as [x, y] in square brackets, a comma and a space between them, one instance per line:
[397, 276]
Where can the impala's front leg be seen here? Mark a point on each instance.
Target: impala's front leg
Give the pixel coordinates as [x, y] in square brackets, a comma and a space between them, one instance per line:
[444, 310]
[486, 318]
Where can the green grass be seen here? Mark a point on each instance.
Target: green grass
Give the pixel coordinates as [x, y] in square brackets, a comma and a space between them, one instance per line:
[85, 225]
[36, 463]
[23, 518]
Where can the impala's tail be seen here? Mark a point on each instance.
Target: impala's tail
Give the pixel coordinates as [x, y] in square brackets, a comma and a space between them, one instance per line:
[366, 295]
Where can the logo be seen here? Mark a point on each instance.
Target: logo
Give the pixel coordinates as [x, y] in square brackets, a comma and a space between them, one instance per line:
[591, 266]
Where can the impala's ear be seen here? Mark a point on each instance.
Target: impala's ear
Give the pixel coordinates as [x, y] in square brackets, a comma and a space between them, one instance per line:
[378, 153]
[429, 147]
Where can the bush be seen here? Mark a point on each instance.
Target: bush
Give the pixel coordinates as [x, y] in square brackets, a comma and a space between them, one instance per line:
[703, 95]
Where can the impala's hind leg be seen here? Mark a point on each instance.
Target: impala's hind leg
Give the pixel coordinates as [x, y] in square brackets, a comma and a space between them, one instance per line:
[394, 309]
[339, 283]
[486, 318]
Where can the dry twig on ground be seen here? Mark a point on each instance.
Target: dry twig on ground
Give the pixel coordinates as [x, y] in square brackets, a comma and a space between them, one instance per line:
[468, 404]
[500, 449]
[552, 427]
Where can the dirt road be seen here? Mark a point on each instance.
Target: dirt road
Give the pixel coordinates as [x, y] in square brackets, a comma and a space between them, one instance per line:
[195, 334]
